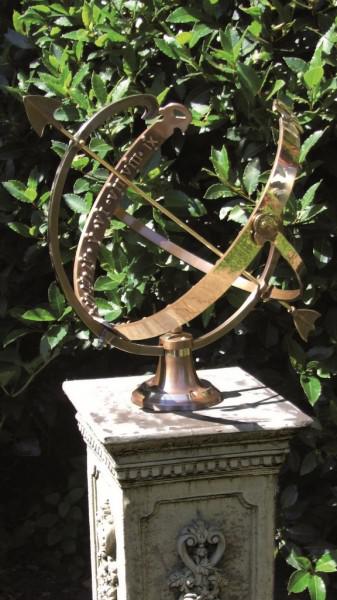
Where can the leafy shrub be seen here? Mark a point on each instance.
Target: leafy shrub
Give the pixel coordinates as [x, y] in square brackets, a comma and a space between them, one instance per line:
[227, 61]
[52, 526]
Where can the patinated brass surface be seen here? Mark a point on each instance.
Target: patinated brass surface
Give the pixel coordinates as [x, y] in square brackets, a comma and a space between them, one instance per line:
[175, 372]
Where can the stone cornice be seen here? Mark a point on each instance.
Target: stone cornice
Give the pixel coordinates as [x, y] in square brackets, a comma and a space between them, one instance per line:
[255, 460]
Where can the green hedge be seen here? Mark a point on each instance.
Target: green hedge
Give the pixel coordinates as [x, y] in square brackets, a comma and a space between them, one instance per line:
[227, 61]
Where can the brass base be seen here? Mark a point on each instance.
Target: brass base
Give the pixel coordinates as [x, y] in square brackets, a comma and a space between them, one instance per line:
[176, 386]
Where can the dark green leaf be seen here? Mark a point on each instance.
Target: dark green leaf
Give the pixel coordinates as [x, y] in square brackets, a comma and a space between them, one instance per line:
[99, 88]
[309, 463]
[249, 78]
[14, 335]
[75, 495]
[7, 373]
[289, 496]
[18, 40]
[54, 536]
[56, 299]
[296, 64]
[322, 251]
[81, 185]
[231, 43]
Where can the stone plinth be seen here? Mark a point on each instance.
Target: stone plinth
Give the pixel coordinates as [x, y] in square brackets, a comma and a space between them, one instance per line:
[182, 504]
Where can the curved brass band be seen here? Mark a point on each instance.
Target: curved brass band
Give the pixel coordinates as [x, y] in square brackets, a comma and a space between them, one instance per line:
[219, 277]
[151, 110]
[239, 255]
[108, 200]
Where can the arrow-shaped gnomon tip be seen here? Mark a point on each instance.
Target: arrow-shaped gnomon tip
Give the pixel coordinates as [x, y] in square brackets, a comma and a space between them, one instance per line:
[40, 111]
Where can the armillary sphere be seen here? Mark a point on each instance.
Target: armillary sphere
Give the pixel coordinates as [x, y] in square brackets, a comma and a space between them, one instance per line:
[175, 386]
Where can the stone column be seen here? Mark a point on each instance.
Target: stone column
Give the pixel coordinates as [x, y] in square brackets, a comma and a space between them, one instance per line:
[182, 504]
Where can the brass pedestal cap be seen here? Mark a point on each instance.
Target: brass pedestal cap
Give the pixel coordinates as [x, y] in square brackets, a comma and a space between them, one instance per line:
[176, 386]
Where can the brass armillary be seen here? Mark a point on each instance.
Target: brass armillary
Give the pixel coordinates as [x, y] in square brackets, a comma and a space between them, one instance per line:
[175, 385]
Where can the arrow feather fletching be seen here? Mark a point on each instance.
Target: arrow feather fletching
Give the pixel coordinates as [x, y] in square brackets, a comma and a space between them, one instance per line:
[304, 320]
[40, 112]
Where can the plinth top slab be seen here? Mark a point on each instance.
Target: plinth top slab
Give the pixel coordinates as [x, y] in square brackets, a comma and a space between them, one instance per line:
[248, 407]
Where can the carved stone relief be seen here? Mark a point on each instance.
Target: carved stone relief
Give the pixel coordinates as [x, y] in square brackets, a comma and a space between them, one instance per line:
[200, 546]
[107, 581]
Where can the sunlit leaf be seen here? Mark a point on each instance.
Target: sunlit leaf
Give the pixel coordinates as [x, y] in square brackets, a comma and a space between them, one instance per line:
[199, 31]
[182, 15]
[312, 387]
[251, 176]
[298, 582]
[219, 190]
[313, 76]
[326, 564]
[310, 143]
[220, 162]
[76, 203]
[20, 191]
[316, 588]
[38, 314]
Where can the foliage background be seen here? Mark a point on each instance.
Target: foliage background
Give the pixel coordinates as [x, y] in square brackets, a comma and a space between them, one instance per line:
[227, 61]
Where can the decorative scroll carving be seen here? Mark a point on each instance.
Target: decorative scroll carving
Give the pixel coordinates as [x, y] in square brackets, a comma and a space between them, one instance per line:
[107, 580]
[200, 546]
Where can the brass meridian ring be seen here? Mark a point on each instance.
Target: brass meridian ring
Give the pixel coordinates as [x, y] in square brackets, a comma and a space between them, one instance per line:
[262, 226]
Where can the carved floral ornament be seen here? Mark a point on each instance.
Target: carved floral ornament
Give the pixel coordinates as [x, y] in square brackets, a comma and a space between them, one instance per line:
[200, 546]
[107, 580]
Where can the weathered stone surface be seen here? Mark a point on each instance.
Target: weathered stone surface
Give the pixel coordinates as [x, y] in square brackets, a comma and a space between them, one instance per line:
[153, 475]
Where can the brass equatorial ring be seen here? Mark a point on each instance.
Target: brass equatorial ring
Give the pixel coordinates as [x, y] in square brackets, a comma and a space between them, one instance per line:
[263, 226]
